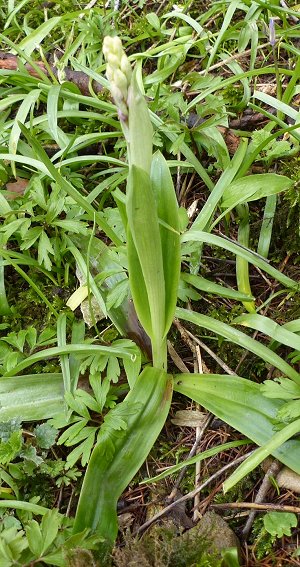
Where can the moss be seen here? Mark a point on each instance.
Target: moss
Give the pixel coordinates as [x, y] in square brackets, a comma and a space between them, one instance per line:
[162, 547]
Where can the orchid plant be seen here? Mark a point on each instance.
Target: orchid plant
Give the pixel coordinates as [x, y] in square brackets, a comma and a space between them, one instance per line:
[151, 215]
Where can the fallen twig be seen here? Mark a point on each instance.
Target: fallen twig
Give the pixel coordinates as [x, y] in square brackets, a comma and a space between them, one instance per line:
[265, 486]
[192, 494]
[255, 506]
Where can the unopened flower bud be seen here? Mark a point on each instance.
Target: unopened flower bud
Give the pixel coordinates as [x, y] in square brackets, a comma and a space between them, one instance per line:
[118, 73]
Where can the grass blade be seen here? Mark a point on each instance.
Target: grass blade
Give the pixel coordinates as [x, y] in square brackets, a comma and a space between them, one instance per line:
[80, 350]
[265, 234]
[252, 257]
[242, 265]
[270, 328]
[240, 339]
[277, 440]
[196, 459]
[203, 219]
[211, 287]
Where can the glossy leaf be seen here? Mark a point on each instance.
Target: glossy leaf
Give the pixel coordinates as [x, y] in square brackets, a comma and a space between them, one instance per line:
[167, 210]
[32, 398]
[239, 403]
[145, 258]
[254, 187]
[108, 473]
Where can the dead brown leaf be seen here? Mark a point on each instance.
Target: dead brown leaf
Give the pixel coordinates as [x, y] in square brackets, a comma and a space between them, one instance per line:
[16, 188]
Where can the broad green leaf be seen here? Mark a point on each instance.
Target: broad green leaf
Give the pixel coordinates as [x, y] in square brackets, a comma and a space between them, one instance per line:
[137, 286]
[269, 327]
[145, 246]
[240, 339]
[265, 234]
[211, 287]
[32, 398]
[108, 474]
[254, 187]
[239, 403]
[124, 317]
[167, 210]
[140, 128]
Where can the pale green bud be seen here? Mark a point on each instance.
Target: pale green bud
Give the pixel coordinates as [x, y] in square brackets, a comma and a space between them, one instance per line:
[126, 67]
[118, 72]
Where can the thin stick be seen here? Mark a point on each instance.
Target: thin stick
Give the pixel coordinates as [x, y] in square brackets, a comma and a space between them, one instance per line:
[265, 486]
[199, 433]
[231, 58]
[211, 353]
[192, 494]
[254, 506]
[176, 358]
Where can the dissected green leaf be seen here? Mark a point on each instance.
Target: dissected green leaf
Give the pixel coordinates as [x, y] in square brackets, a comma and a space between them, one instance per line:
[34, 537]
[281, 388]
[9, 449]
[45, 435]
